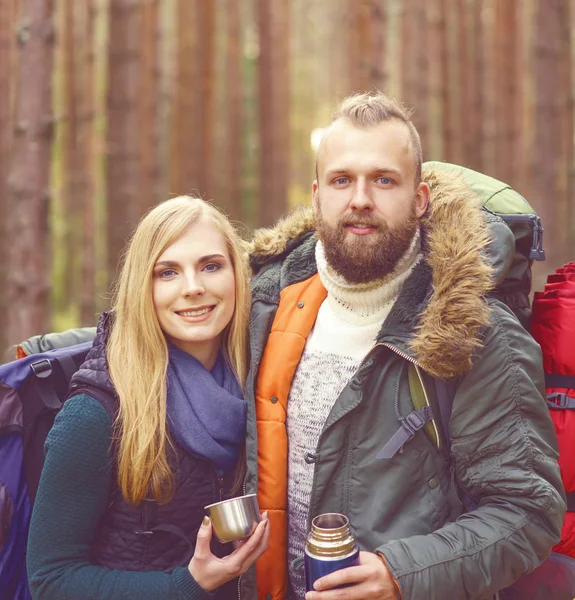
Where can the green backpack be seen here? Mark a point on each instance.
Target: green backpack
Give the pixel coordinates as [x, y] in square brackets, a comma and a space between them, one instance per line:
[517, 240]
[517, 236]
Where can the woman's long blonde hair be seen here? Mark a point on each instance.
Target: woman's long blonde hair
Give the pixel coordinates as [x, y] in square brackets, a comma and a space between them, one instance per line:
[137, 352]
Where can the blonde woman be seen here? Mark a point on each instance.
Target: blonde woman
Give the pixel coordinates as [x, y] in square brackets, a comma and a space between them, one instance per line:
[154, 426]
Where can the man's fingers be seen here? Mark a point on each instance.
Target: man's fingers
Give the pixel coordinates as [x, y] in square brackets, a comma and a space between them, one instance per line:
[342, 577]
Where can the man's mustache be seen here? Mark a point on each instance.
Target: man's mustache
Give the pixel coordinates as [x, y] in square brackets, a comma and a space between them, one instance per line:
[365, 221]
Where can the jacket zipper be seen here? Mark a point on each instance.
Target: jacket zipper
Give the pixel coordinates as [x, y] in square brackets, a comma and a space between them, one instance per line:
[451, 457]
[417, 367]
[240, 577]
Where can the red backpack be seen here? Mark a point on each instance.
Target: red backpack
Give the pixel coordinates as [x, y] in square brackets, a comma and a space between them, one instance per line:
[553, 327]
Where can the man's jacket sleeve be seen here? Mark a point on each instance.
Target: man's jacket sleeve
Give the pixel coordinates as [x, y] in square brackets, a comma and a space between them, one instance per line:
[505, 452]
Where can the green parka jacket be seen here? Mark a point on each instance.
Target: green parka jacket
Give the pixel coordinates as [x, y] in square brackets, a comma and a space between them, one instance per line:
[503, 442]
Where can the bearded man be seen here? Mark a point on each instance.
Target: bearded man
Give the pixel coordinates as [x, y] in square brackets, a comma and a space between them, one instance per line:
[383, 272]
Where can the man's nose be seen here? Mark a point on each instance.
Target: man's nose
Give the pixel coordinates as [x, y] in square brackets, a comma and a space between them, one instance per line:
[361, 199]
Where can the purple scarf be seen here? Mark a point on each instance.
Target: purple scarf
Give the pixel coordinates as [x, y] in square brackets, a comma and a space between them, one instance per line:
[206, 409]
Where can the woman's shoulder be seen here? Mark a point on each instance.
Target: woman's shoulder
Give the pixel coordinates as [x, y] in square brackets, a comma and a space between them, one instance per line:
[84, 417]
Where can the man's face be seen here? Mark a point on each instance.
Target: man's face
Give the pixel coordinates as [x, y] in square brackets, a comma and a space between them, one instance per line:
[365, 199]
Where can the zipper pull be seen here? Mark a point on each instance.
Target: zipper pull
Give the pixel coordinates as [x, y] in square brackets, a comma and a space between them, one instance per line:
[453, 482]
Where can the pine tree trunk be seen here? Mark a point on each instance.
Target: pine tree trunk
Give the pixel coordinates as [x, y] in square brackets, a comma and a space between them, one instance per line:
[72, 160]
[232, 188]
[205, 90]
[506, 84]
[123, 154]
[185, 167]
[6, 47]
[148, 107]
[28, 194]
[86, 75]
[553, 137]
[273, 94]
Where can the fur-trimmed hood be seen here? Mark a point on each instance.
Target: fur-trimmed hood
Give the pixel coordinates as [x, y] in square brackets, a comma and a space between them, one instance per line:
[455, 240]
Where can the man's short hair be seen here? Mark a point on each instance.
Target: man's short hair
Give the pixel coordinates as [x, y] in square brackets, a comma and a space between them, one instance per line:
[373, 108]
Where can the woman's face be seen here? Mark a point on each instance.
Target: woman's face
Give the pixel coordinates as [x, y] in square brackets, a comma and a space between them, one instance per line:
[194, 291]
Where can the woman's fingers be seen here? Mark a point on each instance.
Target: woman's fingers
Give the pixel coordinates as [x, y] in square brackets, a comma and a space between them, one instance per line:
[204, 538]
[253, 548]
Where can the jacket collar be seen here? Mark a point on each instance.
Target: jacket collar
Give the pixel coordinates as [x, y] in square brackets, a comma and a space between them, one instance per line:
[438, 317]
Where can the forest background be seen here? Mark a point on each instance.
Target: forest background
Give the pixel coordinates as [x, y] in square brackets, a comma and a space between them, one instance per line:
[110, 106]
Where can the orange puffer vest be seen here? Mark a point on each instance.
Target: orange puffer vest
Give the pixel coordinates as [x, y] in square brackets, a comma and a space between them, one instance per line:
[295, 318]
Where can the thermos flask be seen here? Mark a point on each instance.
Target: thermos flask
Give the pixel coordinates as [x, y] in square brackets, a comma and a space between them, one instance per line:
[329, 547]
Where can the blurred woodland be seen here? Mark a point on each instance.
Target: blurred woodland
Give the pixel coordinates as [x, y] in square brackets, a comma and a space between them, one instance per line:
[110, 106]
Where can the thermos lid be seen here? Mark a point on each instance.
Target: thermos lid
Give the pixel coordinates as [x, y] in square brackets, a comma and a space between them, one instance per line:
[330, 536]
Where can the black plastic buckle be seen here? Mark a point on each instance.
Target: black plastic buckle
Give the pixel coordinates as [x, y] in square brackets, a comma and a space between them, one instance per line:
[42, 368]
[558, 401]
[413, 423]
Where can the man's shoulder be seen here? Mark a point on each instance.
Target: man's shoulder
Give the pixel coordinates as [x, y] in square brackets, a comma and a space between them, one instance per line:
[274, 272]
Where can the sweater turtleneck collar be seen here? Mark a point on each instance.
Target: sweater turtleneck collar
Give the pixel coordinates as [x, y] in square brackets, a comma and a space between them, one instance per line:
[366, 303]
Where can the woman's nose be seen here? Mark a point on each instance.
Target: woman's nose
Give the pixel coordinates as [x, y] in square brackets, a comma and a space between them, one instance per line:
[193, 285]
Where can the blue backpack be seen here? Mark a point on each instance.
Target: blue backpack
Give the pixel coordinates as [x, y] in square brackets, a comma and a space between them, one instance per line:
[32, 391]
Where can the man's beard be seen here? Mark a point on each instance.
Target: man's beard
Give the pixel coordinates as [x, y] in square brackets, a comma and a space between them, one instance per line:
[365, 258]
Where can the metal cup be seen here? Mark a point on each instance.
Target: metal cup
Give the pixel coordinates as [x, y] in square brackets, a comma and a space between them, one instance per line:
[236, 518]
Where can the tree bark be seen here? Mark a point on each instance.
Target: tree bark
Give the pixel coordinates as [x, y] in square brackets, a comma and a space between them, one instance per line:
[28, 195]
[86, 74]
[506, 84]
[123, 155]
[73, 175]
[205, 36]
[6, 48]
[553, 126]
[185, 168]
[232, 188]
[148, 107]
[273, 95]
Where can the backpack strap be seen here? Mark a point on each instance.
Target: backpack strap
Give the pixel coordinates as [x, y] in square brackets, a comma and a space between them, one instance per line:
[554, 380]
[421, 418]
[45, 383]
[570, 501]
[441, 395]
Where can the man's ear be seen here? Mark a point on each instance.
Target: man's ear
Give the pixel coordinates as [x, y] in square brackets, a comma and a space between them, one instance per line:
[422, 199]
[314, 195]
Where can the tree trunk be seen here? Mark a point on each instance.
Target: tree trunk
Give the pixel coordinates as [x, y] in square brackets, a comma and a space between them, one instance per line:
[123, 139]
[71, 203]
[506, 84]
[553, 126]
[185, 168]
[205, 36]
[28, 195]
[273, 95]
[85, 90]
[435, 81]
[232, 185]
[148, 107]
[6, 48]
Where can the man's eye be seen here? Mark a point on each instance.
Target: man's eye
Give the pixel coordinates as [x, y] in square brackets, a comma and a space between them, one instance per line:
[384, 180]
[212, 267]
[341, 180]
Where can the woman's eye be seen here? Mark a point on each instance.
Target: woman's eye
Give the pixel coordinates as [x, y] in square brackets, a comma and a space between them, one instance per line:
[212, 267]
[166, 273]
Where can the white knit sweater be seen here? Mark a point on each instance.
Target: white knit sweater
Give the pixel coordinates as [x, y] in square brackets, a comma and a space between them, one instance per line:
[347, 325]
